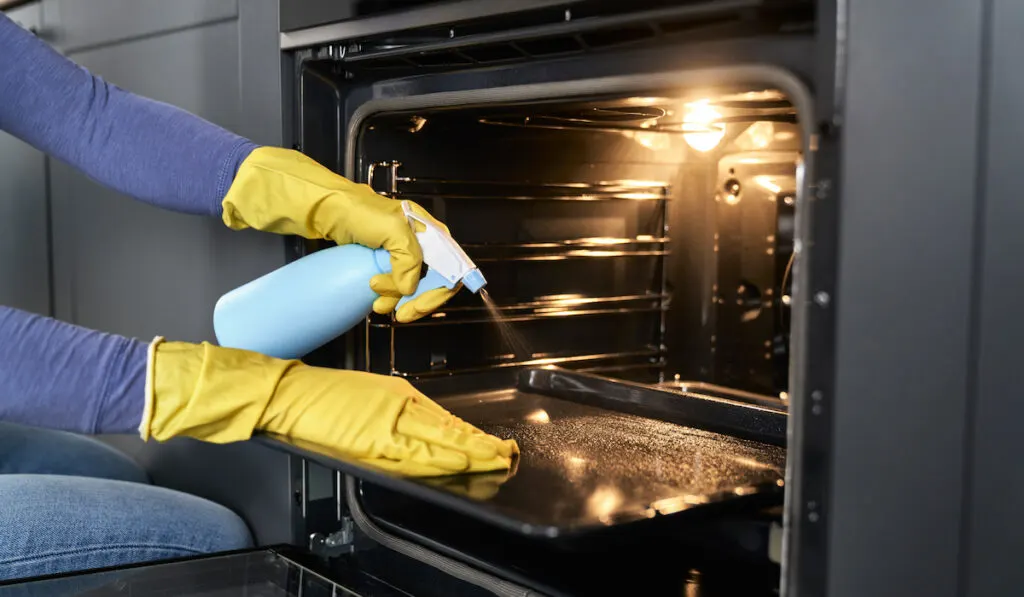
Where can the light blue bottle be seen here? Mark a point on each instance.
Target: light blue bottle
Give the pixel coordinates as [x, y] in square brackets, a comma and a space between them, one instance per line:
[297, 308]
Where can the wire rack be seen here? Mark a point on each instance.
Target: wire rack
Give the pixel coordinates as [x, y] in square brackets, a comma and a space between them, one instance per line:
[612, 320]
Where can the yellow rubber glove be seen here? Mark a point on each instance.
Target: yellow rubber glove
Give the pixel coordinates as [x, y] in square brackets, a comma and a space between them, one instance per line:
[283, 191]
[223, 395]
[479, 487]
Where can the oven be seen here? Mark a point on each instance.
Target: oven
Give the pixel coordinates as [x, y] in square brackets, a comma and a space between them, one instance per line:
[633, 181]
[753, 311]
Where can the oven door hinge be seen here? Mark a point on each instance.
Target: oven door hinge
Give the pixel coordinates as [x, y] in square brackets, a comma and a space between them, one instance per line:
[338, 543]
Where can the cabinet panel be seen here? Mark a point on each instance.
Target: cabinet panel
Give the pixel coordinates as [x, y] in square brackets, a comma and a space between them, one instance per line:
[76, 24]
[126, 267]
[24, 247]
[995, 488]
[906, 211]
[24, 254]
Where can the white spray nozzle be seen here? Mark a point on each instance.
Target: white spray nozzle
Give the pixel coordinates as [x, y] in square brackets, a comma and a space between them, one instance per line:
[442, 254]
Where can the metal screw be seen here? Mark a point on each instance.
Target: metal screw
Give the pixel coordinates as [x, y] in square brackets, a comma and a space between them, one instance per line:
[816, 409]
[816, 395]
[823, 188]
[813, 517]
[822, 298]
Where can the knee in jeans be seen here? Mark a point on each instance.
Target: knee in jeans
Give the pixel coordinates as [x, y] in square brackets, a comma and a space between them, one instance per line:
[228, 532]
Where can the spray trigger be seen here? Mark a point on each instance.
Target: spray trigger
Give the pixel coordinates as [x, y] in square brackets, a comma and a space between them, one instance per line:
[443, 256]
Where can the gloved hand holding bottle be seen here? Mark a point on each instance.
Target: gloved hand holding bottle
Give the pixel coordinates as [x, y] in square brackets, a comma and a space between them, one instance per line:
[283, 191]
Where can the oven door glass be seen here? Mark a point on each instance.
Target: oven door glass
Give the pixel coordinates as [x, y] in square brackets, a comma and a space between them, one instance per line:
[263, 572]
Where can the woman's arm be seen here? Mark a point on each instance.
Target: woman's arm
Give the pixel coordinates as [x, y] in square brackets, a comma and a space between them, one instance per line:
[140, 147]
[61, 376]
[58, 375]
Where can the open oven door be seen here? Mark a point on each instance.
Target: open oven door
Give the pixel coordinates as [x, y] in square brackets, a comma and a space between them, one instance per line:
[614, 477]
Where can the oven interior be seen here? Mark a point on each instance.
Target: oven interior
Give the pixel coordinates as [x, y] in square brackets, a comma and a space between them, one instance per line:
[648, 238]
[634, 335]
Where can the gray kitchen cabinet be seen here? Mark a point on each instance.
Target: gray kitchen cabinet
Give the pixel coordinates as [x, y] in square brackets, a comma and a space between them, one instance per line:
[24, 245]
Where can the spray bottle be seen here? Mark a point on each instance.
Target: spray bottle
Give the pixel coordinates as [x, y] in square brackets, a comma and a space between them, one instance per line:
[303, 305]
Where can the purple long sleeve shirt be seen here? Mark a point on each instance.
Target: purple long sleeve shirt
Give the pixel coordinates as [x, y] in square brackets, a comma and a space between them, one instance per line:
[58, 375]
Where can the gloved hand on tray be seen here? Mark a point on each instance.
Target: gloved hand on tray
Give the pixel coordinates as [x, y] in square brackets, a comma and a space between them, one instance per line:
[283, 191]
[224, 395]
[479, 487]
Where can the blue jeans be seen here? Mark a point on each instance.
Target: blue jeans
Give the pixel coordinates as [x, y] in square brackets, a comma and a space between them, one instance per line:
[72, 503]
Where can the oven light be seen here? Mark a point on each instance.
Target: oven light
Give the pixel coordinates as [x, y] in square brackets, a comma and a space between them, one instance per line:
[702, 128]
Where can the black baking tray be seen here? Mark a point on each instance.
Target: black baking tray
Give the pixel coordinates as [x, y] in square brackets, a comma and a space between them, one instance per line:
[600, 453]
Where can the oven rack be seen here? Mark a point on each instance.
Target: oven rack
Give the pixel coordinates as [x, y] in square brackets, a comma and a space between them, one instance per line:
[562, 302]
[518, 313]
[416, 187]
[596, 194]
[725, 393]
[403, 187]
[663, 128]
[585, 243]
[643, 359]
[583, 248]
[452, 196]
[572, 254]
